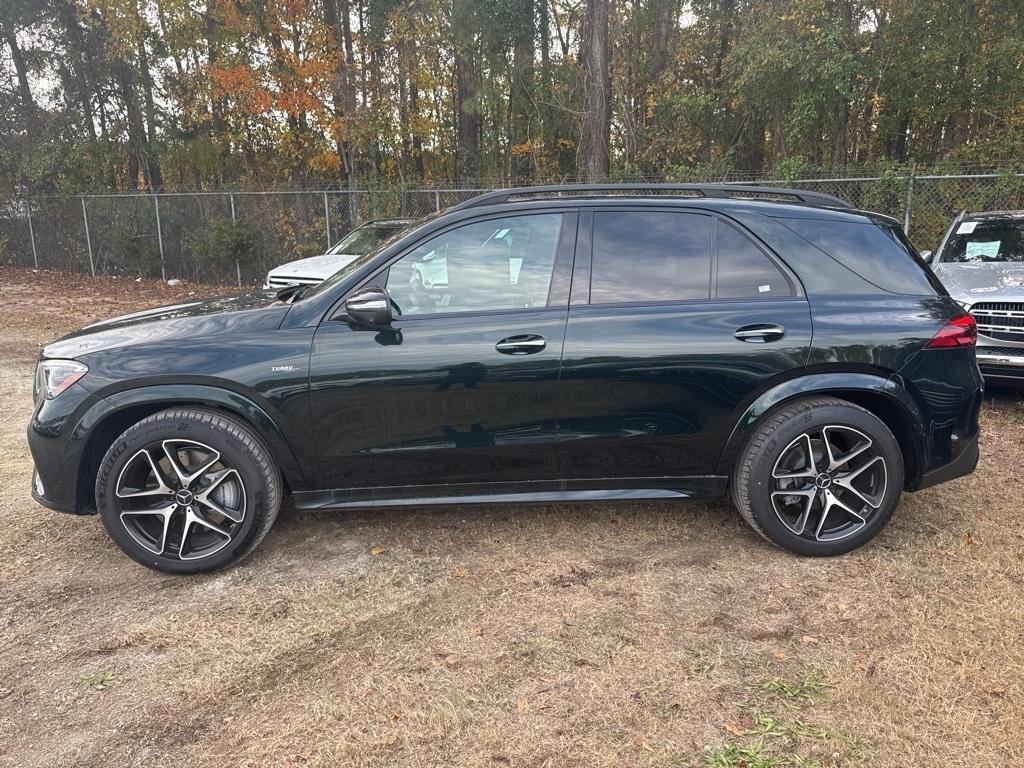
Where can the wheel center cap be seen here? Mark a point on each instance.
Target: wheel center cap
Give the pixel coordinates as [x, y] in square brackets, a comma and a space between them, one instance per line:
[183, 497]
[823, 481]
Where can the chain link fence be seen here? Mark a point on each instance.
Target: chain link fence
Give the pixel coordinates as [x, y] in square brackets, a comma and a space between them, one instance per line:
[235, 237]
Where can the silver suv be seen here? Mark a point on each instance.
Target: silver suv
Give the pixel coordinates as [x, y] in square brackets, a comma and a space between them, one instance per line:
[981, 263]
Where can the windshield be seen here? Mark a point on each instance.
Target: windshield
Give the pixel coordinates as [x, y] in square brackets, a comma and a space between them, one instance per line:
[392, 234]
[363, 240]
[978, 242]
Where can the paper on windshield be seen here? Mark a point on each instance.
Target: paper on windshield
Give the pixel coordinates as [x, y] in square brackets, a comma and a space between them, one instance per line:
[966, 227]
[988, 249]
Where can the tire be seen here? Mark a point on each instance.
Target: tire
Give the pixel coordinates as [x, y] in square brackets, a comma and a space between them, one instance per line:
[188, 490]
[774, 490]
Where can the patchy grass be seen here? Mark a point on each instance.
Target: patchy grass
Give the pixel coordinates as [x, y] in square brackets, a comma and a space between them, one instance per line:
[803, 690]
[99, 681]
[563, 636]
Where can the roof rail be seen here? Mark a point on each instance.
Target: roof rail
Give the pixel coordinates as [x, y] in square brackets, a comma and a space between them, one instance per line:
[741, 191]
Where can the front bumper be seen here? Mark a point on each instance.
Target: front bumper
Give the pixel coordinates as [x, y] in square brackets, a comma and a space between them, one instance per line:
[57, 439]
[1001, 362]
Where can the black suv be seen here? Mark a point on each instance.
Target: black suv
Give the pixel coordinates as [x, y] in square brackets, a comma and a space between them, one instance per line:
[538, 344]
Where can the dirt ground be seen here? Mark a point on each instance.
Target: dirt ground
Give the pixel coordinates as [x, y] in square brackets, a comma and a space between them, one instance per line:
[613, 635]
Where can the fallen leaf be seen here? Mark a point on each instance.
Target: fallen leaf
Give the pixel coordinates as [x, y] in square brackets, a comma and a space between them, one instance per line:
[378, 551]
[734, 728]
[520, 704]
[968, 539]
[460, 573]
[779, 654]
[641, 741]
[452, 659]
[787, 584]
[808, 640]
[997, 690]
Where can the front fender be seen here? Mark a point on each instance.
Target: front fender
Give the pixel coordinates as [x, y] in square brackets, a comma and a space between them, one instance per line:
[250, 412]
[838, 384]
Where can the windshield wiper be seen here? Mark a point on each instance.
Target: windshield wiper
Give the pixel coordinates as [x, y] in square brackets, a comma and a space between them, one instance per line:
[288, 292]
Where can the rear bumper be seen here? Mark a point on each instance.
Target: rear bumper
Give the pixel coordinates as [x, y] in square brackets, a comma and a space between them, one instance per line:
[962, 464]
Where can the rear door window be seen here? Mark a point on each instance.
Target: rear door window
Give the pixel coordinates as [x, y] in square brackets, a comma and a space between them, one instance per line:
[877, 252]
[744, 271]
[644, 256]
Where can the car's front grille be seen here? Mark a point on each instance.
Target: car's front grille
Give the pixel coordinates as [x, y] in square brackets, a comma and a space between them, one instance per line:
[1001, 351]
[1009, 371]
[282, 282]
[1002, 320]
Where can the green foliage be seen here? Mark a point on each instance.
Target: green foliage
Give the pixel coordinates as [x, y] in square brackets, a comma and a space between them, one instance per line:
[132, 94]
[133, 250]
[223, 243]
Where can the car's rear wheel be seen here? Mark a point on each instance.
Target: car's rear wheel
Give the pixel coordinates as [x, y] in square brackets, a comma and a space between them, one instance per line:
[819, 477]
[187, 490]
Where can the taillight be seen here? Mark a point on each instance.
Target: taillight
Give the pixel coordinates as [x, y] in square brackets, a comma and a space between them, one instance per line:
[959, 332]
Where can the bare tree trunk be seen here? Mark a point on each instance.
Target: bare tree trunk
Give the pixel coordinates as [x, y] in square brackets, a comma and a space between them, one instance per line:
[468, 118]
[28, 104]
[156, 179]
[414, 112]
[598, 86]
[546, 88]
[336, 17]
[521, 106]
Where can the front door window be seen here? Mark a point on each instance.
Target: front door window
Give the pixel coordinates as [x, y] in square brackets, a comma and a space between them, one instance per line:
[496, 264]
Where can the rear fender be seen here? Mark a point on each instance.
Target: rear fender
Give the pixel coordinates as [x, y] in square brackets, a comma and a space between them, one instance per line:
[850, 386]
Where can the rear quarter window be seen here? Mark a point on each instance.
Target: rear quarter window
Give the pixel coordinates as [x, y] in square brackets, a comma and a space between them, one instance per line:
[877, 252]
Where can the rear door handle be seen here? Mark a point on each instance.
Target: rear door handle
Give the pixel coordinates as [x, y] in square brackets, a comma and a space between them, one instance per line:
[760, 333]
[523, 344]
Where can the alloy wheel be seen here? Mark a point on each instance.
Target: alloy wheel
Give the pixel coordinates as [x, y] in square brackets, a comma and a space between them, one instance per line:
[180, 499]
[828, 482]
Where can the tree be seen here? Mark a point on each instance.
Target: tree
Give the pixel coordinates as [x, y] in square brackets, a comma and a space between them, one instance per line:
[598, 86]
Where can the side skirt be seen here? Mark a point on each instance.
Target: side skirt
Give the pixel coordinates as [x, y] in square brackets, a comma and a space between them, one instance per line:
[537, 492]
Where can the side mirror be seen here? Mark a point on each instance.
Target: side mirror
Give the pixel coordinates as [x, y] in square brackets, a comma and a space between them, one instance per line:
[927, 256]
[370, 307]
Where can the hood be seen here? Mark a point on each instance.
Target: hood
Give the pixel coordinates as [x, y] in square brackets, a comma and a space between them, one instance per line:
[315, 266]
[260, 310]
[991, 281]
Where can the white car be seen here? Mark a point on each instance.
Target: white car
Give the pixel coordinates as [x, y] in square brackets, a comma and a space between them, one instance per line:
[981, 263]
[314, 269]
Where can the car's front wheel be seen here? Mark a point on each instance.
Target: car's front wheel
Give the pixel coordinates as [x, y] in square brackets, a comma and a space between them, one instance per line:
[819, 477]
[187, 490]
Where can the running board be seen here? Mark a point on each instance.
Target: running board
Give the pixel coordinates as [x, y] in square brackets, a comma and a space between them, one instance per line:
[479, 493]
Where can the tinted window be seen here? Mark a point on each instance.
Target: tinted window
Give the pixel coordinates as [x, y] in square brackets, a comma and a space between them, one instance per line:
[986, 241]
[744, 271]
[650, 256]
[876, 252]
[493, 264]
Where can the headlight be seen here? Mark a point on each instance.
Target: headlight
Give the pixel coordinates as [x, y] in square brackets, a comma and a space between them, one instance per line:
[54, 376]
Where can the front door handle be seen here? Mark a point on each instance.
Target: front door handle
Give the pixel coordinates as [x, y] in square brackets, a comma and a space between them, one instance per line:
[760, 333]
[523, 344]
